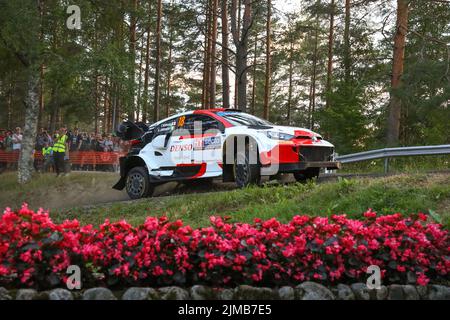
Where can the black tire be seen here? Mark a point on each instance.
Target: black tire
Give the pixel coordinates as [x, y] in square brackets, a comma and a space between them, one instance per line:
[245, 174]
[305, 175]
[138, 183]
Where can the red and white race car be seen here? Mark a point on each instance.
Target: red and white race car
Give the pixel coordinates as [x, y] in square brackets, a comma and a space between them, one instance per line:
[211, 143]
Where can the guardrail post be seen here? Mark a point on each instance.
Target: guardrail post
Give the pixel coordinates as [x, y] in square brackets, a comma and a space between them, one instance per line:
[386, 165]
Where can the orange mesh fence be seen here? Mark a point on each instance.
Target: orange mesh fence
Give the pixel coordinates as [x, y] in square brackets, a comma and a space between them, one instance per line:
[77, 157]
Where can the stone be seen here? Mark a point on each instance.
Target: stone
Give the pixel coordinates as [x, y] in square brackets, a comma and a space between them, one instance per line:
[136, 293]
[437, 292]
[98, 294]
[313, 291]
[286, 293]
[226, 294]
[173, 293]
[199, 292]
[410, 292]
[422, 291]
[395, 292]
[4, 294]
[382, 293]
[344, 292]
[26, 294]
[245, 292]
[361, 291]
[60, 294]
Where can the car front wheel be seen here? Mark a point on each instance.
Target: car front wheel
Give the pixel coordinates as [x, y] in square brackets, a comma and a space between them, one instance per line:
[138, 183]
[245, 173]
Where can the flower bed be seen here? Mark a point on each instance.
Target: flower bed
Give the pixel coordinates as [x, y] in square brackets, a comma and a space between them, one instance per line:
[36, 252]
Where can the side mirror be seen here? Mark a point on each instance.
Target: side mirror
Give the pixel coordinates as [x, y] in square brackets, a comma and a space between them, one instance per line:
[159, 142]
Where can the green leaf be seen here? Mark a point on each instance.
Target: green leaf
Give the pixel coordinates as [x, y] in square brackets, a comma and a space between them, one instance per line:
[436, 217]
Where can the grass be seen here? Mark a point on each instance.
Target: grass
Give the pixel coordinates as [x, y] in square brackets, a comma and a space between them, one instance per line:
[400, 165]
[406, 193]
[80, 196]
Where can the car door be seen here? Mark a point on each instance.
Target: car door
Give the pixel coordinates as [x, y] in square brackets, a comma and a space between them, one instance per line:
[207, 144]
[161, 146]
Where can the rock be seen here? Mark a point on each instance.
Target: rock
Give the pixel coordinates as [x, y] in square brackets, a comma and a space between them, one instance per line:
[173, 293]
[4, 294]
[422, 291]
[98, 294]
[344, 292]
[226, 294]
[382, 293]
[410, 292]
[313, 291]
[60, 294]
[245, 292]
[361, 291]
[26, 294]
[437, 292]
[136, 293]
[286, 293]
[199, 292]
[43, 295]
[395, 292]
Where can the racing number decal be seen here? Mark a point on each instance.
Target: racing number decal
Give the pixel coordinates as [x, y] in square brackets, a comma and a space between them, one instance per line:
[181, 121]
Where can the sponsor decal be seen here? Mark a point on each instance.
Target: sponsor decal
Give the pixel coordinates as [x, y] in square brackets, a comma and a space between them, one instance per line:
[207, 143]
[183, 147]
[181, 121]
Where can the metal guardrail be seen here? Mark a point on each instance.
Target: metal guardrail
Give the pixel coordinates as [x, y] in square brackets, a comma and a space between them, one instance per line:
[393, 153]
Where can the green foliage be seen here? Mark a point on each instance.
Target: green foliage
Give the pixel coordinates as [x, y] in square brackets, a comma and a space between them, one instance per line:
[89, 72]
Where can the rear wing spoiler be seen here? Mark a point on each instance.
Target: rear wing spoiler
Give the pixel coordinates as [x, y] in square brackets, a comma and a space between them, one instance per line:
[128, 130]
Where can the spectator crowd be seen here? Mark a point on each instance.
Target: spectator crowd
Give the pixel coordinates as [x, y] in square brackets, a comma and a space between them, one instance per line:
[76, 141]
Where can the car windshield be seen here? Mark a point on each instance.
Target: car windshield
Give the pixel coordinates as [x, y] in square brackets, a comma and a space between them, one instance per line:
[243, 119]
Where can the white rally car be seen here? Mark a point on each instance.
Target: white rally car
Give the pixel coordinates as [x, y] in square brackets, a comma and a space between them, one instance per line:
[211, 143]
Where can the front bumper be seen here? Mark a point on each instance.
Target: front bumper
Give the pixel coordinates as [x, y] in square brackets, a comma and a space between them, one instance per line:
[304, 165]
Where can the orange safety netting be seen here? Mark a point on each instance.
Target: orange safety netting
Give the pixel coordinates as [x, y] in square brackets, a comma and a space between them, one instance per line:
[76, 157]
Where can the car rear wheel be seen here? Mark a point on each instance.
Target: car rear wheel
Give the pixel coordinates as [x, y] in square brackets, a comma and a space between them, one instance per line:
[138, 183]
[245, 173]
[305, 175]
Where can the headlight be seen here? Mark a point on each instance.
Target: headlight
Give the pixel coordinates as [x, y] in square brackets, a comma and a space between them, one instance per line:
[279, 135]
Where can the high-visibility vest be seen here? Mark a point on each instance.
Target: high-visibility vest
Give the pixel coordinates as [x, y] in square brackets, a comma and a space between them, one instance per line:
[60, 144]
[47, 151]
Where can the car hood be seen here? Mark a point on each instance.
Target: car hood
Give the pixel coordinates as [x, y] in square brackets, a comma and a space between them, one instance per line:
[295, 131]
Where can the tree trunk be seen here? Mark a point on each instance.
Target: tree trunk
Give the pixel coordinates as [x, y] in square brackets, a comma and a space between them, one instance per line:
[41, 69]
[207, 56]
[169, 65]
[133, 22]
[157, 63]
[10, 97]
[106, 108]
[330, 55]
[145, 104]
[139, 91]
[253, 105]
[312, 97]
[41, 95]
[213, 36]
[395, 104]
[26, 158]
[268, 62]
[225, 71]
[291, 71]
[96, 98]
[347, 58]
[241, 42]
